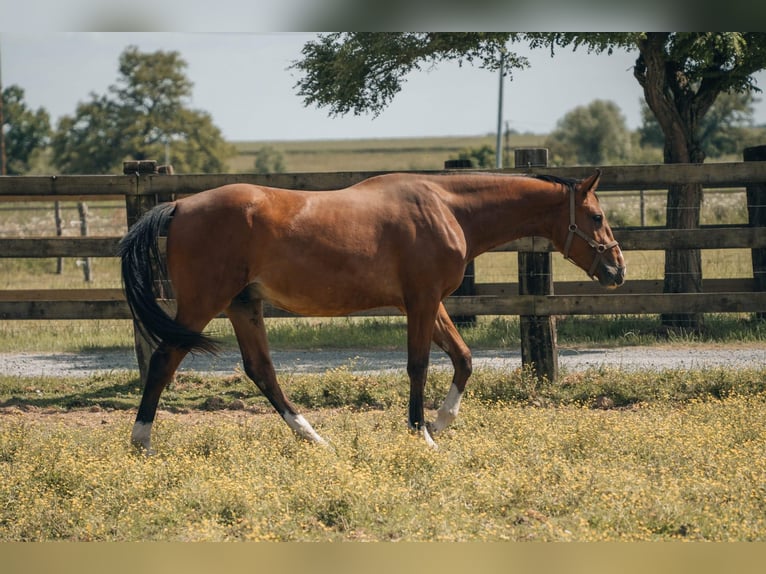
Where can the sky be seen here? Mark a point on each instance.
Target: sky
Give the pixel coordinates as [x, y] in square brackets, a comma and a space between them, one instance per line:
[243, 81]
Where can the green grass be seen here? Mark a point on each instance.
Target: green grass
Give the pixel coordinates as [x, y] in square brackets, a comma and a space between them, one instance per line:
[340, 387]
[387, 333]
[681, 458]
[371, 154]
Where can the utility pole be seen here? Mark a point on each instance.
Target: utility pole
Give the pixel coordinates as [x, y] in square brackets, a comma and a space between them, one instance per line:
[499, 142]
[3, 169]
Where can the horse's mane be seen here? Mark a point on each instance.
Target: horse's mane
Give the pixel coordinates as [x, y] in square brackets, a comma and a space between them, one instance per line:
[566, 181]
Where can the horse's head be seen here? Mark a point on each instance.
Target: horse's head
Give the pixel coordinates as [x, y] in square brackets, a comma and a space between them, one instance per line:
[585, 238]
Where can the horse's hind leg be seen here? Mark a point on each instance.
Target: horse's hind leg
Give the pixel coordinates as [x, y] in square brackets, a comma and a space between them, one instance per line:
[246, 315]
[448, 338]
[163, 364]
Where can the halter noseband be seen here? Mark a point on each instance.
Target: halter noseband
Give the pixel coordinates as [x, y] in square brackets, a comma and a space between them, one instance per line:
[600, 248]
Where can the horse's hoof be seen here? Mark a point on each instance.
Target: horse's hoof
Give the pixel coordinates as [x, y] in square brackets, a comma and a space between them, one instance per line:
[142, 449]
[423, 432]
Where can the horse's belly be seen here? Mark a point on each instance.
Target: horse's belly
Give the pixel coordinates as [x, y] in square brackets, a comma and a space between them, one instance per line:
[325, 299]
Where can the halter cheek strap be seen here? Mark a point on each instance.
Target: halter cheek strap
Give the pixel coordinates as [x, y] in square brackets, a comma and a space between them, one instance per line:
[600, 248]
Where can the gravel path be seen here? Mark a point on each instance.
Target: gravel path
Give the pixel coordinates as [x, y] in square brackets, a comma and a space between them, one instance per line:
[318, 361]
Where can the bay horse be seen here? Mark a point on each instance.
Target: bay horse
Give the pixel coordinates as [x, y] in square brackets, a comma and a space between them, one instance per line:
[395, 240]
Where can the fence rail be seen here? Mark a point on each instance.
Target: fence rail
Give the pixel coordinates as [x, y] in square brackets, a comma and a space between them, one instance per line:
[614, 178]
[140, 191]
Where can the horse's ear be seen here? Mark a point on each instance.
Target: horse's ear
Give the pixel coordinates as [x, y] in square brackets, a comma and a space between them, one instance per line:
[591, 183]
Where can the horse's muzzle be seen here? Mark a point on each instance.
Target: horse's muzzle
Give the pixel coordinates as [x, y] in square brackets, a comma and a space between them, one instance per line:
[610, 276]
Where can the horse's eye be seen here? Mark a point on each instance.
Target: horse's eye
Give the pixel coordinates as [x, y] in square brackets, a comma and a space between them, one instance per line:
[598, 219]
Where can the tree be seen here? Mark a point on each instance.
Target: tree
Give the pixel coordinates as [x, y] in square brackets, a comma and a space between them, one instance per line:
[25, 131]
[269, 160]
[482, 157]
[681, 74]
[595, 134]
[144, 114]
[361, 72]
[722, 130]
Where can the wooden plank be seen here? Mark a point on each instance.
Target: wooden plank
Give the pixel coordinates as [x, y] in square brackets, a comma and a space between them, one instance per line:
[709, 237]
[653, 303]
[113, 308]
[62, 295]
[659, 238]
[729, 237]
[68, 198]
[47, 310]
[657, 176]
[660, 176]
[631, 287]
[630, 240]
[484, 291]
[67, 185]
[92, 246]
[614, 178]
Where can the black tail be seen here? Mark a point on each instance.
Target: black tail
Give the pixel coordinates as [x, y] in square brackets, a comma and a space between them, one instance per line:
[142, 264]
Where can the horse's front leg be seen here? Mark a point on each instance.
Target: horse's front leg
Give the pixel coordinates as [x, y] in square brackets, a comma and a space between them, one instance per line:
[420, 327]
[447, 337]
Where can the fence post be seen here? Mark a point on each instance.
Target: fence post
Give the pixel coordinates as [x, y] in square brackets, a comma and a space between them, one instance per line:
[468, 286]
[59, 232]
[136, 205]
[82, 210]
[756, 214]
[538, 332]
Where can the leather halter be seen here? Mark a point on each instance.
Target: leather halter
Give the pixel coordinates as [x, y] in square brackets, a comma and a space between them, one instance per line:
[600, 248]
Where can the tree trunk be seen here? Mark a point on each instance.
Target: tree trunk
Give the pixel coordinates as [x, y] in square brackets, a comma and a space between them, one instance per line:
[683, 267]
[678, 111]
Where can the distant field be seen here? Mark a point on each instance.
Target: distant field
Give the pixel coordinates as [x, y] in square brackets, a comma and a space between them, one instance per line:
[372, 154]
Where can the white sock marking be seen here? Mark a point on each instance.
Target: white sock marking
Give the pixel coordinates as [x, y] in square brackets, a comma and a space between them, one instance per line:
[141, 435]
[449, 409]
[302, 427]
[429, 441]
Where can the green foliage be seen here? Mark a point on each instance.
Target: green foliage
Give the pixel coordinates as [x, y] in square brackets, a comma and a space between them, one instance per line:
[595, 134]
[481, 157]
[361, 72]
[723, 131]
[26, 131]
[144, 114]
[269, 160]
[682, 73]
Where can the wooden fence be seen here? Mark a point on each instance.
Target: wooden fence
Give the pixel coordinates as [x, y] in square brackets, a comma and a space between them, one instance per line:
[141, 191]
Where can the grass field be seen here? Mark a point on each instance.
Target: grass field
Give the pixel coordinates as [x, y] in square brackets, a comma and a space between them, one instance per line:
[679, 457]
[370, 155]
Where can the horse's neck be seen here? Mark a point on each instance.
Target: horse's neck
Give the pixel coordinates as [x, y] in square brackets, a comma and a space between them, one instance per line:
[497, 213]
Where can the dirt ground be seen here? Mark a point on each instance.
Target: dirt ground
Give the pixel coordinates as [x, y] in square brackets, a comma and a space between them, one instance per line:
[658, 358]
